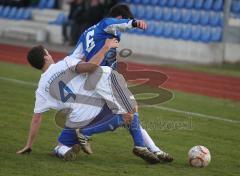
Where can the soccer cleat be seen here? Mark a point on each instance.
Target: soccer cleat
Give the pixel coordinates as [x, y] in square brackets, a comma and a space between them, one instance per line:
[145, 154]
[164, 157]
[71, 155]
[84, 142]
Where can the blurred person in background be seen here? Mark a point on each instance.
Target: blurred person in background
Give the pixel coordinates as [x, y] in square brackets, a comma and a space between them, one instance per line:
[82, 15]
[17, 3]
[87, 17]
[76, 8]
[34, 3]
[4, 2]
[108, 4]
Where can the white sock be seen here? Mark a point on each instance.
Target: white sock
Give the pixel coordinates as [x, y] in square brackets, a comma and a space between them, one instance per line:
[149, 142]
[61, 150]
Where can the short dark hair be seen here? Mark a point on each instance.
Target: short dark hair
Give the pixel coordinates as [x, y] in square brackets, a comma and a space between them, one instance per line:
[121, 10]
[36, 57]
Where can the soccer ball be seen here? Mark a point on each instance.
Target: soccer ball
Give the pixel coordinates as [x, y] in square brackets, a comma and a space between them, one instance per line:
[199, 156]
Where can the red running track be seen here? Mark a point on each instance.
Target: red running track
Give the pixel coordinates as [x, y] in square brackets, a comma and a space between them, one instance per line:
[182, 80]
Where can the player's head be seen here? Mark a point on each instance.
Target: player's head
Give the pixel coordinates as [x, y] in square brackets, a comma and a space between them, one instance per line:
[39, 57]
[120, 11]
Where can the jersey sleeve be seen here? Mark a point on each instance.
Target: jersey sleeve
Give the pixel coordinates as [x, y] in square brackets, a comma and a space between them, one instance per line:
[112, 25]
[72, 62]
[41, 104]
[76, 56]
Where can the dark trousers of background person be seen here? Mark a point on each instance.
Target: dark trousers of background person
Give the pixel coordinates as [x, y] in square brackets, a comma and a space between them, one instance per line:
[77, 30]
[17, 3]
[67, 28]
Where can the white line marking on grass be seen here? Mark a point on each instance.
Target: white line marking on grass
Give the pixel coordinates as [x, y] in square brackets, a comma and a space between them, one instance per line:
[157, 107]
[18, 81]
[194, 114]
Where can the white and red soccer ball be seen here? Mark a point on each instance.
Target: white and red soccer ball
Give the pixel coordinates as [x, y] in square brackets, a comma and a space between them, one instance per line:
[199, 156]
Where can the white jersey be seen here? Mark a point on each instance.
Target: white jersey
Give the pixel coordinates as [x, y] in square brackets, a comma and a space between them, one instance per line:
[60, 87]
[45, 101]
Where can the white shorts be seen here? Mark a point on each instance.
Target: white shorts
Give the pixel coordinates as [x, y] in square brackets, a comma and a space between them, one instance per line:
[112, 87]
[104, 86]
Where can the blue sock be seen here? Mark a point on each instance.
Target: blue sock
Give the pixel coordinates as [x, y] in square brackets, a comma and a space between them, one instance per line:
[68, 137]
[135, 131]
[109, 125]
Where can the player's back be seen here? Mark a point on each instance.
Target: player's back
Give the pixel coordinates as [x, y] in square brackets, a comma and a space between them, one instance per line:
[51, 80]
[60, 87]
[93, 39]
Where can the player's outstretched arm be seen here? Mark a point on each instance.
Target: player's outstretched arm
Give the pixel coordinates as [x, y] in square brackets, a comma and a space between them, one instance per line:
[93, 64]
[34, 128]
[112, 25]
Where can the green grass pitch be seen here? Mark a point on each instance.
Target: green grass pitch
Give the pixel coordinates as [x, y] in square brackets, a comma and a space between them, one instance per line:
[112, 151]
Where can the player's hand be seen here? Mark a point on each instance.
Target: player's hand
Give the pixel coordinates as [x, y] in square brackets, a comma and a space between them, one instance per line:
[112, 43]
[25, 150]
[141, 24]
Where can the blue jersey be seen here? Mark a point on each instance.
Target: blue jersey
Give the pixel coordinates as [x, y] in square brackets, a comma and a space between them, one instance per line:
[93, 39]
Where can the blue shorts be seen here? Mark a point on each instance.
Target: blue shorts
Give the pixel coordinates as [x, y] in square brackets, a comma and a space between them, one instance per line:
[68, 136]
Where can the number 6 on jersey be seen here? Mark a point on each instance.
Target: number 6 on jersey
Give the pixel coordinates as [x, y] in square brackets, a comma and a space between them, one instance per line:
[89, 41]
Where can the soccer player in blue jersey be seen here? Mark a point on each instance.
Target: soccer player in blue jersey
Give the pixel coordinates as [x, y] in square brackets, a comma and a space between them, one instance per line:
[119, 20]
[91, 41]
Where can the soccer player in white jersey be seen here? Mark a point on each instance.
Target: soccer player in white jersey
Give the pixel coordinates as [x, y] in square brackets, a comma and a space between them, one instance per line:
[64, 84]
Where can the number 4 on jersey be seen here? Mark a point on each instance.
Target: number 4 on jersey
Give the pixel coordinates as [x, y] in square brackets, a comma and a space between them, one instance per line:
[64, 88]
